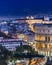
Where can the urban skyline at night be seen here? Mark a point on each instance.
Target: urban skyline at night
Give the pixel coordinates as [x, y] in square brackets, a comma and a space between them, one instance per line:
[25, 32]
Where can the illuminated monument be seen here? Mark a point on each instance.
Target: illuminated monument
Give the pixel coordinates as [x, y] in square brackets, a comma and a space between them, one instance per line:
[43, 38]
[43, 35]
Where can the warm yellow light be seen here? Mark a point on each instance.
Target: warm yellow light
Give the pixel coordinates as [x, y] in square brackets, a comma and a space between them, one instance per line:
[21, 36]
[25, 38]
[50, 46]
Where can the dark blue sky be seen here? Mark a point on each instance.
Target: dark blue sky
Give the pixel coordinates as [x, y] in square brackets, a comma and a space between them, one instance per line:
[24, 7]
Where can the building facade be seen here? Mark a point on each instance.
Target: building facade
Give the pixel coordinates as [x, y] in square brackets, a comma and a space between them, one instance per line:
[43, 39]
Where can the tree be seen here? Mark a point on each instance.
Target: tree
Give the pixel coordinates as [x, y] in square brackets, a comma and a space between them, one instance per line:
[4, 54]
[21, 49]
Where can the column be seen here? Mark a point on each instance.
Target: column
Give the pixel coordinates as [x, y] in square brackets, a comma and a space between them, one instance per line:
[35, 47]
[48, 46]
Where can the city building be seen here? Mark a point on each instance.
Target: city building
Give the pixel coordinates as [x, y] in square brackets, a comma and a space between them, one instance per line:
[43, 39]
[11, 44]
[34, 31]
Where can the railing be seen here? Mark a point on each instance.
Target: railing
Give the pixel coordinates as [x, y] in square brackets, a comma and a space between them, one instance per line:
[44, 49]
[41, 41]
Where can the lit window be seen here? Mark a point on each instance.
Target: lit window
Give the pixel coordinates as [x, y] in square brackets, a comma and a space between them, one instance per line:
[47, 39]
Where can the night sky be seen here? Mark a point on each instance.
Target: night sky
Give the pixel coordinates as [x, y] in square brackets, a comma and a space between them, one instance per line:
[25, 7]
